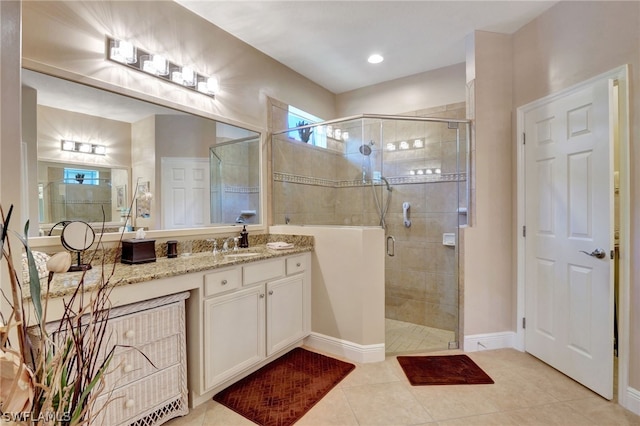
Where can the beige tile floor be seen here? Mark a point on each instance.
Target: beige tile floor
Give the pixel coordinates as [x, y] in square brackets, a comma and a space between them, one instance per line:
[405, 337]
[526, 392]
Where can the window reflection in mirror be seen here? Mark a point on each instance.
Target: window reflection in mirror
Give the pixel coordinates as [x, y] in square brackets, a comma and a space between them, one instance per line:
[152, 159]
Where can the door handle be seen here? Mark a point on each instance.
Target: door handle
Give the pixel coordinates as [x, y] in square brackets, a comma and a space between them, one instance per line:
[597, 253]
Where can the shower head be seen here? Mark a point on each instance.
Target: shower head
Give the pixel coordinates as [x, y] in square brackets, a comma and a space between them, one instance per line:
[365, 150]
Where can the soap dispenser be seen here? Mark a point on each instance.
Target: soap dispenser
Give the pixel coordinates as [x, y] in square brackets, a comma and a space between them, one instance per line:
[244, 237]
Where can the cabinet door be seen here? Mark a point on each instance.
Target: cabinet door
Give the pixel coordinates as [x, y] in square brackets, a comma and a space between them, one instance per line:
[234, 334]
[285, 312]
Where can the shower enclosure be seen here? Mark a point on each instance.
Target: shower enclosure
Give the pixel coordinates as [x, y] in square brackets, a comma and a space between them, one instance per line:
[405, 174]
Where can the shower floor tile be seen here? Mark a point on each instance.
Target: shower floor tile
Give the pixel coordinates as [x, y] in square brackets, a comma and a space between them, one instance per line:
[406, 337]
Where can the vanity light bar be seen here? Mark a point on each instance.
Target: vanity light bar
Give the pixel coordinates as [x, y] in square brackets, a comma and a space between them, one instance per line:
[83, 147]
[405, 145]
[127, 54]
[419, 172]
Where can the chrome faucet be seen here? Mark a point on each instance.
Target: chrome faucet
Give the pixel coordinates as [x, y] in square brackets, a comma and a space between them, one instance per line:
[214, 251]
[225, 246]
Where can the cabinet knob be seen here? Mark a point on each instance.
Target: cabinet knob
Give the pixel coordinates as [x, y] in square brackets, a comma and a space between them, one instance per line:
[129, 334]
[223, 282]
[270, 292]
[261, 295]
[128, 368]
[298, 264]
[130, 403]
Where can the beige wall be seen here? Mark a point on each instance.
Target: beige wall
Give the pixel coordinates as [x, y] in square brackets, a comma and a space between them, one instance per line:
[489, 288]
[30, 140]
[425, 90]
[56, 124]
[143, 167]
[572, 42]
[246, 75]
[347, 296]
[9, 129]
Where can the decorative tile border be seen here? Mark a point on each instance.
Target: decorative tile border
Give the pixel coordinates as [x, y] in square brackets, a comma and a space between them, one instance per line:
[238, 189]
[242, 189]
[397, 180]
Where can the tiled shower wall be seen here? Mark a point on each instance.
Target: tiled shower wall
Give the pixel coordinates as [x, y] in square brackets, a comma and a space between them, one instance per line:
[236, 182]
[320, 186]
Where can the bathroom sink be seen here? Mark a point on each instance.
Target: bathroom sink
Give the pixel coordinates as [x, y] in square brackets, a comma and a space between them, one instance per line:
[240, 255]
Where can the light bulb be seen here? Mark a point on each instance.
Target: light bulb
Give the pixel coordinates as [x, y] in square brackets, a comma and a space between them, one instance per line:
[100, 149]
[188, 76]
[375, 58]
[213, 85]
[123, 51]
[160, 64]
[68, 145]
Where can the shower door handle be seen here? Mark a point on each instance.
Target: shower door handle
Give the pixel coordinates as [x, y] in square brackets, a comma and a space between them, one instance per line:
[391, 248]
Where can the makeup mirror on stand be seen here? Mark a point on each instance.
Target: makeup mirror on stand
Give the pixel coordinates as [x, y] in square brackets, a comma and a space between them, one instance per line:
[77, 236]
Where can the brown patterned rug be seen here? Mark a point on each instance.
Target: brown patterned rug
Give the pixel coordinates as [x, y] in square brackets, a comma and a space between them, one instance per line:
[443, 370]
[282, 391]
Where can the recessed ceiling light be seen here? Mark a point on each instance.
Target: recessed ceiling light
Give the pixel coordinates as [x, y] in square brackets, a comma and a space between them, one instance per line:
[375, 59]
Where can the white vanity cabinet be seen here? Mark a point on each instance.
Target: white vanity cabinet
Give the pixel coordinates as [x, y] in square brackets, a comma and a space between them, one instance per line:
[262, 309]
[234, 333]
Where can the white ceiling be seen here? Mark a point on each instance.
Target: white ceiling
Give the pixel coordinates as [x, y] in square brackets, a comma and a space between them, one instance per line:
[329, 41]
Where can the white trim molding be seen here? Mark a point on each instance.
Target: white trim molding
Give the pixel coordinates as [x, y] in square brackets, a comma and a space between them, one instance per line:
[349, 350]
[483, 342]
[633, 400]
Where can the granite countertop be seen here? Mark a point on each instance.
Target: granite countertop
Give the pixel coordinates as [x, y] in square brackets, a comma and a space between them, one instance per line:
[119, 274]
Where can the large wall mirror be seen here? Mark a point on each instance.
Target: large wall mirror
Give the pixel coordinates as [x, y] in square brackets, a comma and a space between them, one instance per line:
[118, 162]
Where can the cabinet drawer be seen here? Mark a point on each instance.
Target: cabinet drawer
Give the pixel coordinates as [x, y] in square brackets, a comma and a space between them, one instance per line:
[130, 364]
[130, 401]
[296, 264]
[264, 271]
[221, 281]
[146, 326]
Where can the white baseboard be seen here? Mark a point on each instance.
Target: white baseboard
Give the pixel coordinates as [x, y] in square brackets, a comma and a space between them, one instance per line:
[349, 350]
[483, 342]
[633, 401]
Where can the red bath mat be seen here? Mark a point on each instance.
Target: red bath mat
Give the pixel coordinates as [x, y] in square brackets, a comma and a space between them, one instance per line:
[284, 390]
[443, 370]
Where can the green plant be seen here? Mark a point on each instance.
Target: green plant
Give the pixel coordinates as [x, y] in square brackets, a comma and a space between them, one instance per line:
[51, 376]
[305, 133]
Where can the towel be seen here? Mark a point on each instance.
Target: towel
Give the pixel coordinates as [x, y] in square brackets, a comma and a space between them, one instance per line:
[279, 245]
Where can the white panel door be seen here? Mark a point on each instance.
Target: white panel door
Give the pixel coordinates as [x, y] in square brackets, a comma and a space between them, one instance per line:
[569, 219]
[185, 192]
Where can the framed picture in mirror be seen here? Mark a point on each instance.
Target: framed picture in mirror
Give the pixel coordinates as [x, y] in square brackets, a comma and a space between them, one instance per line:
[121, 196]
[143, 200]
